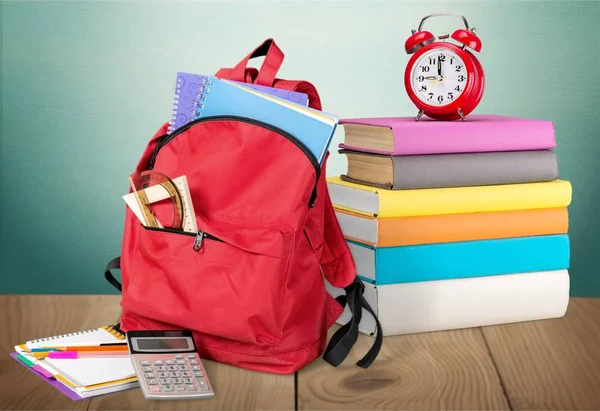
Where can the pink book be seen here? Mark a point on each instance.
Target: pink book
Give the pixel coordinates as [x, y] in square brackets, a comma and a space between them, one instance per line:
[479, 133]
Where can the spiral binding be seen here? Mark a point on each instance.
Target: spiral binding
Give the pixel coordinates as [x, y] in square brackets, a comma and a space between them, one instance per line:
[58, 337]
[114, 330]
[202, 98]
[199, 95]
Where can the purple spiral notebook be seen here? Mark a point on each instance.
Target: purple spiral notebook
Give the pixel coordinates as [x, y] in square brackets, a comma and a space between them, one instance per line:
[189, 92]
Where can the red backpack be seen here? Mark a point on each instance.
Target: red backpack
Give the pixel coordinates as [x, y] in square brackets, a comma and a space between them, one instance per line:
[250, 283]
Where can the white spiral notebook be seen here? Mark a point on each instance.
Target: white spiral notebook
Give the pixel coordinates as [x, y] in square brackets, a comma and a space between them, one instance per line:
[87, 376]
[85, 372]
[102, 335]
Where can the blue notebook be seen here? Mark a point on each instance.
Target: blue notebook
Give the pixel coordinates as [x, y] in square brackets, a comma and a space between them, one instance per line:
[189, 89]
[407, 264]
[313, 128]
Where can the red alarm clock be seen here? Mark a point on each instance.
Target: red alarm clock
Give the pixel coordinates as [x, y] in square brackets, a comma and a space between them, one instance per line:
[444, 80]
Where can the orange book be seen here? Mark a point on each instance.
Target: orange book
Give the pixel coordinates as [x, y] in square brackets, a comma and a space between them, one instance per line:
[398, 231]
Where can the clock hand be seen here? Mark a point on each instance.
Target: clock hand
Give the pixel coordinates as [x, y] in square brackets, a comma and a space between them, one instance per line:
[432, 78]
[439, 67]
[433, 82]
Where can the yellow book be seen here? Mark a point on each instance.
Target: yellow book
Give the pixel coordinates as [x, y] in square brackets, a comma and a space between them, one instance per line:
[379, 202]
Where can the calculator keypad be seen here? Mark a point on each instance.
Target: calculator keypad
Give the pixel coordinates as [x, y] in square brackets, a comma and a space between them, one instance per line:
[173, 375]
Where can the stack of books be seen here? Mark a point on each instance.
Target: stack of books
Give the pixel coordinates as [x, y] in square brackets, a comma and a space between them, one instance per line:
[81, 364]
[454, 224]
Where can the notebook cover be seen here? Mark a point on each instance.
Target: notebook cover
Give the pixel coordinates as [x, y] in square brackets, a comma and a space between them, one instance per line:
[480, 133]
[399, 231]
[431, 262]
[460, 200]
[190, 87]
[53, 382]
[470, 302]
[467, 170]
[226, 98]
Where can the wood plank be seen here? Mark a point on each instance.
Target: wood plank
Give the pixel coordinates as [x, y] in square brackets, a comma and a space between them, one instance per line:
[441, 370]
[26, 317]
[235, 389]
[551, 364]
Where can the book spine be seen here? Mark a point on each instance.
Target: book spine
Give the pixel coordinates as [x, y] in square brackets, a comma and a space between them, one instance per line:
[474, 302]
[478, 138]
[436, 201]
[431, 262]
[474, 169]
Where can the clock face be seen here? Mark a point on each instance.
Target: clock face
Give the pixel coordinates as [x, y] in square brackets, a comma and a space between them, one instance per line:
[439, 77]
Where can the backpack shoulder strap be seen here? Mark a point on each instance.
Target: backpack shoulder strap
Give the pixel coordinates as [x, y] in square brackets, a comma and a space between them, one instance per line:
[114, 264]
[339, 269]
[344, 339]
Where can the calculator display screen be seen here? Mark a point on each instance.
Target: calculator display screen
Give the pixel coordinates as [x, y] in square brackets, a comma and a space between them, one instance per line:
[160, 344]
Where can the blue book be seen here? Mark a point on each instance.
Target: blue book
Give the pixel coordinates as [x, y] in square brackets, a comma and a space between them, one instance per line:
[312, 128]
[430, 262]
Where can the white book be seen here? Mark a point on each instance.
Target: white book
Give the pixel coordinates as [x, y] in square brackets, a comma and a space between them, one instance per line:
[463, 303]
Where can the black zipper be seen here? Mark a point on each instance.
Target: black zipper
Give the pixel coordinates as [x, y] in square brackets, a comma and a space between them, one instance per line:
[165, 139]
[200, 235]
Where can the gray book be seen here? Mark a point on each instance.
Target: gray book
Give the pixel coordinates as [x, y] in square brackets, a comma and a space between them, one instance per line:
[450, 170]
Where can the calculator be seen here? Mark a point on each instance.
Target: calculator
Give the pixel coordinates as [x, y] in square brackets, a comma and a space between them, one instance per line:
[167, 365]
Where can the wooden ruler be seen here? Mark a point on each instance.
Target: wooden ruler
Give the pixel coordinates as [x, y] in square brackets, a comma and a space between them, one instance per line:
[177, 190]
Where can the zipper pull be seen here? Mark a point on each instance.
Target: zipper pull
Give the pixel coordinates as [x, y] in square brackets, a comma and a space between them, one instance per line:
[198, 241]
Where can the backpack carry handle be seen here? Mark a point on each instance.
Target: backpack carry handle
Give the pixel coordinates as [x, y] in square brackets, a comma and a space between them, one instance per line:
[270, 66]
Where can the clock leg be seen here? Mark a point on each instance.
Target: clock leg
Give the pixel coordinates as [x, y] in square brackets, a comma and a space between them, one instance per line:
[419, 114]
[462, 116]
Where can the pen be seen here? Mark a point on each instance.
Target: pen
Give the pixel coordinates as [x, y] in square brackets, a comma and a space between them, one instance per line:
[81, 354]
[122, 347]
[51, 354]
[92, 346]
[42, 349]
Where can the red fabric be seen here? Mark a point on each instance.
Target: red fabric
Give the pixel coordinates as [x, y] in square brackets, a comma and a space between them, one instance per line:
[257, 298]
[271, 64]
[266, 76]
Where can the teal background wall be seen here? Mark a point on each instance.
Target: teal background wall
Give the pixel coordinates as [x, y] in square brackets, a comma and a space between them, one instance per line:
[86, 84]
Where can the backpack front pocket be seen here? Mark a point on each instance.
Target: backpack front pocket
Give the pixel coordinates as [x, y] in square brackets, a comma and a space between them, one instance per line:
[215, 286]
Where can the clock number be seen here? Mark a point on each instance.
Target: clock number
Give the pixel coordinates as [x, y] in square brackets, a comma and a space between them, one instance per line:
[442, 58]
[431, 60]
[461, 78]
[451, 60]
[451, 96]
[440, 98]
[430, 95]
[457, 88]
[425, 69]
[420, 78]
[458, 68]
[423, 88]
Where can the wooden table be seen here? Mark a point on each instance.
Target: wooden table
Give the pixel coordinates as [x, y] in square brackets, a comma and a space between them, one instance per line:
[552, 364]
